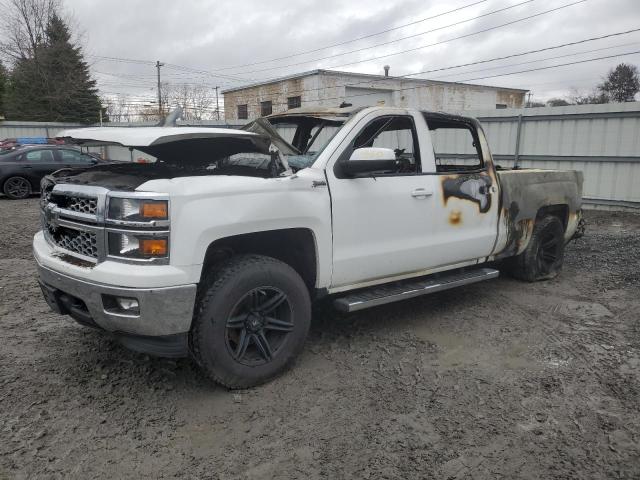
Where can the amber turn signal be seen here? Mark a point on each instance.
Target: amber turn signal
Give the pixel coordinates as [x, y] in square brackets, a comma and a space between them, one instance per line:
[154, 209]
[153, 246]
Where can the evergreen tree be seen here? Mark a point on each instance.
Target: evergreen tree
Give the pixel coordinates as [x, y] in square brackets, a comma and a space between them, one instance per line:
[622, 83]
[54, 84]
[3, 82]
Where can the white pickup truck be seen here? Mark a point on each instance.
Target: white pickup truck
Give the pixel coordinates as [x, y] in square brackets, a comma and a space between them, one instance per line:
[218, 249]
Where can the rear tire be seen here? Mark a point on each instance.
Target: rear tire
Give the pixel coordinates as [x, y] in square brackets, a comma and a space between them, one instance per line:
[251, 322]
[543, 257]
[16, 188]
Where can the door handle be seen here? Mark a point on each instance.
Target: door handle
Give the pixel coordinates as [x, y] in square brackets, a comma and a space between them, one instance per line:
[27, 166]
[421, 193]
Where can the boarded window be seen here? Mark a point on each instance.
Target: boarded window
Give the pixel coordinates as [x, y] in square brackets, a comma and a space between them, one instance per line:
[243, 112]
[294, 102]
[265, 108]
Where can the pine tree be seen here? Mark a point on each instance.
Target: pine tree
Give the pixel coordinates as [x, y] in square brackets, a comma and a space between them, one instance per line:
[71, 91]
[55, 84]
[622, 83]
[3, 82]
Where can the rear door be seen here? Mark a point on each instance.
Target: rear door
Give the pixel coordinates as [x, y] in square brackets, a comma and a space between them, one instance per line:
[37, 163]
[465, 218]
[74, 158]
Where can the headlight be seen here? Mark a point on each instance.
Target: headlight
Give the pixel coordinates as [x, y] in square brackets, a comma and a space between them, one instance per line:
[138, 246]
[137, 209]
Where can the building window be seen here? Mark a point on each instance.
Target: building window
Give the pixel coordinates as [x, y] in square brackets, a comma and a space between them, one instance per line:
[501, 105]
[265, 108]
[294, 102]
[243, 112]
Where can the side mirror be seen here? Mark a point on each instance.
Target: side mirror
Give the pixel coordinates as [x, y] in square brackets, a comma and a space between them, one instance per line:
[369, 160]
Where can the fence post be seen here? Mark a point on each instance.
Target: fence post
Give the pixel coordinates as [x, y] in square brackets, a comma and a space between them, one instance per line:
[516, 156]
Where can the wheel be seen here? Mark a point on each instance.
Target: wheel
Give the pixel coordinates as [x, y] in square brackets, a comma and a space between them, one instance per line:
[251, 322]
[543, 257]
[16, 188]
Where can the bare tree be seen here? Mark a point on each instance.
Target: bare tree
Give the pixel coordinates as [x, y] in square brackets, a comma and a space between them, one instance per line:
[24, 24]
[197, 101]
[120, 109]
[582, 97]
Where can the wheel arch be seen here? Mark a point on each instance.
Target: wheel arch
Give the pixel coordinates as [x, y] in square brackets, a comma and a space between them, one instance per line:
[561, 211]
[297, 247]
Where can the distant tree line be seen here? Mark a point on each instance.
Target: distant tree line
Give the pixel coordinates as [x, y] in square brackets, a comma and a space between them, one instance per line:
[621, 84]
[46, 77]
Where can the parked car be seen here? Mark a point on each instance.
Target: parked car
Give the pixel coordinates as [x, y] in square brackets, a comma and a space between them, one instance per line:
[22, 168]
[219, 248]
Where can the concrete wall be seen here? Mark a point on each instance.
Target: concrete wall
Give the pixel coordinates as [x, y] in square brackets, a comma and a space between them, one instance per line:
[330, 89]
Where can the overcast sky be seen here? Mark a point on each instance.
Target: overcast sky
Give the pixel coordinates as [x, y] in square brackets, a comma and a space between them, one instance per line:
[211, 36]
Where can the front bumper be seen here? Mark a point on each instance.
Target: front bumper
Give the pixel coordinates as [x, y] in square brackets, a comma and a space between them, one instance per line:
[163, 311]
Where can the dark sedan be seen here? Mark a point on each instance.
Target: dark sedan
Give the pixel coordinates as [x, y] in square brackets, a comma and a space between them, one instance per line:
[22, 169]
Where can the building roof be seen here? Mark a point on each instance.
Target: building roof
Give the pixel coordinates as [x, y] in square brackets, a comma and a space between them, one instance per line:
[365, 76]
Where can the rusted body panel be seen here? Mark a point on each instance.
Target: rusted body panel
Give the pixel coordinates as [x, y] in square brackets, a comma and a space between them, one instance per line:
[525, 193]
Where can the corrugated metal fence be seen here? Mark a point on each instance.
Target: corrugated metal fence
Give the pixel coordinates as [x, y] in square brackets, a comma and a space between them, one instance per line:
[603, 141]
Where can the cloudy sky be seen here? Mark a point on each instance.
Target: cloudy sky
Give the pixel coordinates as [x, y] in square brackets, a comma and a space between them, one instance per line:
[228, 43]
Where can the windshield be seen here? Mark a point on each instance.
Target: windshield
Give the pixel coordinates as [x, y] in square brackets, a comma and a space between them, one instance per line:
[319, 137]
[299, 138]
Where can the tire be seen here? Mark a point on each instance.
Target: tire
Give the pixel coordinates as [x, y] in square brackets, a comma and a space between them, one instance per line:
[251, 321]
[16, 188]
[543, 257]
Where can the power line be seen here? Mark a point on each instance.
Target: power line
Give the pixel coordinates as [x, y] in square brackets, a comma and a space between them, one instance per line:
[513, 22]
[238, 79]
[552, 66]
[539, 60]
[397, 40]
[451, 67]
[352, 40]
[492, 76]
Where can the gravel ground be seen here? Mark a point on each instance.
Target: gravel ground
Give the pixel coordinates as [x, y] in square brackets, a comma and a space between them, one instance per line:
[495, 380]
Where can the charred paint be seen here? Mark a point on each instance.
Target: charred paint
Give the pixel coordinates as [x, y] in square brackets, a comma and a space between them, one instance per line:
[475, 188]
[455, 217]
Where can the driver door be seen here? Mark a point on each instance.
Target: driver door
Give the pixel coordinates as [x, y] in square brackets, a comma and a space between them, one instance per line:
[380, 222]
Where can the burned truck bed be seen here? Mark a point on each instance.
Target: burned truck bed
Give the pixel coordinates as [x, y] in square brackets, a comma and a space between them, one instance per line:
[526, 193]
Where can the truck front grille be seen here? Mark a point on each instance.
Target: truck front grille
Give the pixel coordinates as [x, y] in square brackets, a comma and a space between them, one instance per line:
[88, 205]
[76, 241]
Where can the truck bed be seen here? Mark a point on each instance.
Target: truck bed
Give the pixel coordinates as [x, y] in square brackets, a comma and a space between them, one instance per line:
[528, 192]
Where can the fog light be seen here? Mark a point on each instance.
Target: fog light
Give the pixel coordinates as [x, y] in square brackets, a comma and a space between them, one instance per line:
[130, 305]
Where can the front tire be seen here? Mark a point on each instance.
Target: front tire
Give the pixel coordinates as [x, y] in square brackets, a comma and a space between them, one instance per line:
[251, 322]
[16, 188]
[544, 255]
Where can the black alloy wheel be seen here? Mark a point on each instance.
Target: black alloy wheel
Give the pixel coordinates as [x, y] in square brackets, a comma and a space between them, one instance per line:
[259, 325]
[17, 188]
[549, 250]
[252, 317]
[544, 254]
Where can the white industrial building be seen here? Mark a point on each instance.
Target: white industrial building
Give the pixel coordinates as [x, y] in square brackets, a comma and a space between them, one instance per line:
[331, 88]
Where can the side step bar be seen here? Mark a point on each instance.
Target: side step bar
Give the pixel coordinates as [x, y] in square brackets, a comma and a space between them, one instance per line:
[396, 291]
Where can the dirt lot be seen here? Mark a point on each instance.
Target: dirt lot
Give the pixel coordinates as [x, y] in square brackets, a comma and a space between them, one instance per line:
[496, 380]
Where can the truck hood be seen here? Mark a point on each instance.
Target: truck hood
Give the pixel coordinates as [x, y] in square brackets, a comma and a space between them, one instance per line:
[175, 145]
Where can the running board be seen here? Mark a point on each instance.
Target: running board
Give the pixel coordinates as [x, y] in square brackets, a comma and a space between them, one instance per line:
[393, 292]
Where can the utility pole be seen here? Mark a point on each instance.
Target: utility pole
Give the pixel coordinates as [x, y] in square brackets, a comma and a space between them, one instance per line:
[217, 105]
[158, 65]
[529, 99]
